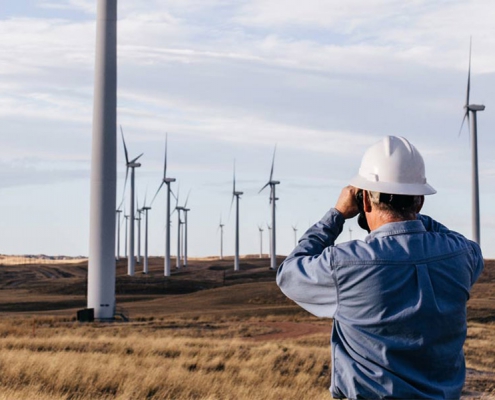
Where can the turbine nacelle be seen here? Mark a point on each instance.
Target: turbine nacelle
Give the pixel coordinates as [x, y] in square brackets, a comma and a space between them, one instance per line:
[238, 193]
[168, 180]
[274, 183]
[475, 107]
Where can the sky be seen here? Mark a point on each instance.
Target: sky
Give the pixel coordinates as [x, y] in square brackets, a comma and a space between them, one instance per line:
[321, 80]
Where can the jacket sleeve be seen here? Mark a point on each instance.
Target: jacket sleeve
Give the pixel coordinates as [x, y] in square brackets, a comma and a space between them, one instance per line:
[307, 276]
[477, 263]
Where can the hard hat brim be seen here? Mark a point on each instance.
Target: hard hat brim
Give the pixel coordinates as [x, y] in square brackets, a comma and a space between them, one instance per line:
[409, 189]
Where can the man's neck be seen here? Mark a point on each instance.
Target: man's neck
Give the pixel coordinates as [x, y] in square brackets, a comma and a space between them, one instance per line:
[378, 219]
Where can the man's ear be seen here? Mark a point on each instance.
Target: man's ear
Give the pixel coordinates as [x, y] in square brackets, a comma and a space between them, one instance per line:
[366, 201]
[420, 206]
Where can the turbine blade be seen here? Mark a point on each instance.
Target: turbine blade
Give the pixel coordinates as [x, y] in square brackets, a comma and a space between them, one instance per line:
[125, 147]
[125, 185]
[156, 194]
[273, 163]
[137, 158]
[187, 198]
[233, 180]
[165, 161]
[469, 126]
[469, 74]
[263, 187]
[177, 197]
[466, 115]
[231, 204]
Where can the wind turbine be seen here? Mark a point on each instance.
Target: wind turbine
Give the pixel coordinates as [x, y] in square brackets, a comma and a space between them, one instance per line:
[269, 238]
[294, 228]
[117, 256]
[145, 210]
[473, 108]
[179, 222]
[220, 226]
[185, 210]
[350, 233]
[132, 165]
[237, 195]
[138, 219]
[126, 217]
[261, 240]
[167, 181]
[182, 252]
[101, 264]
[273, 199]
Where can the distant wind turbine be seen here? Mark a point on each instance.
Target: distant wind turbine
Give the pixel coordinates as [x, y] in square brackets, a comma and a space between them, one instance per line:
[237, 195]
[294, 228]
[117, 255]
[269, 238]
[220, 227]
[473, 108]
[132, 165]
[273, 199]
[138, 220]
[126, 217]
[185, 210]
[179, 222]
[145, 210]
[167, 181]
[350, 233]
[261, 240]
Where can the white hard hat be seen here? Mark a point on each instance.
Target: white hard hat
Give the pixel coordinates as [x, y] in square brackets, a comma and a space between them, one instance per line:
[393, 166]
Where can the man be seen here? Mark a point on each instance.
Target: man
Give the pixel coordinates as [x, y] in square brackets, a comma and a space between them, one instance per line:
[397, 298]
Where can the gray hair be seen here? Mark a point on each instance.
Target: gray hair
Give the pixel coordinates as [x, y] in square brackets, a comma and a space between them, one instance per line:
[396, 205]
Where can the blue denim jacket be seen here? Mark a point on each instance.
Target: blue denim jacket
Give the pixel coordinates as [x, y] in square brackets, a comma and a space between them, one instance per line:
[398, 301]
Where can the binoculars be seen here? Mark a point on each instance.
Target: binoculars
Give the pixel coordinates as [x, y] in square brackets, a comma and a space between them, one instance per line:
[361, 218]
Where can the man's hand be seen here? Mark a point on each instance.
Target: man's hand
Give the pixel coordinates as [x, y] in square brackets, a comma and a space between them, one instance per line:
[346, 204]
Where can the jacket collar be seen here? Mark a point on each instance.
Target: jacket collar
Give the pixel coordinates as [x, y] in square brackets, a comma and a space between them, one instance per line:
[398, 228]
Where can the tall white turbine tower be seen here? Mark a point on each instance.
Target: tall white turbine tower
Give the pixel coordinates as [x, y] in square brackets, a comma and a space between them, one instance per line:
[269, 239]
[166, 181]
[138, 220]
[236, 194]
[473, 108]
[261, 240]
[185, 210]
[101, 265]
[132, 165]
[126, 242]
[294, 228]
[117, 252]
[179, 224]
[220, 227]
[273, 199]
[145, 261]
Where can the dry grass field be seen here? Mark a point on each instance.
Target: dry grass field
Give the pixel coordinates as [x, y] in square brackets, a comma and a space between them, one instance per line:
[204, 333]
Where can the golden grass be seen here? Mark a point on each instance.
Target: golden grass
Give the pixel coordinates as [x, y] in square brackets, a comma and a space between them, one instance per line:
[21, 260]
[151, 360]
[178, 358]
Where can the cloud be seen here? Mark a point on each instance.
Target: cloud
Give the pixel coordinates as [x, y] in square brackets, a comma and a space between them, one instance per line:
[25, 173]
